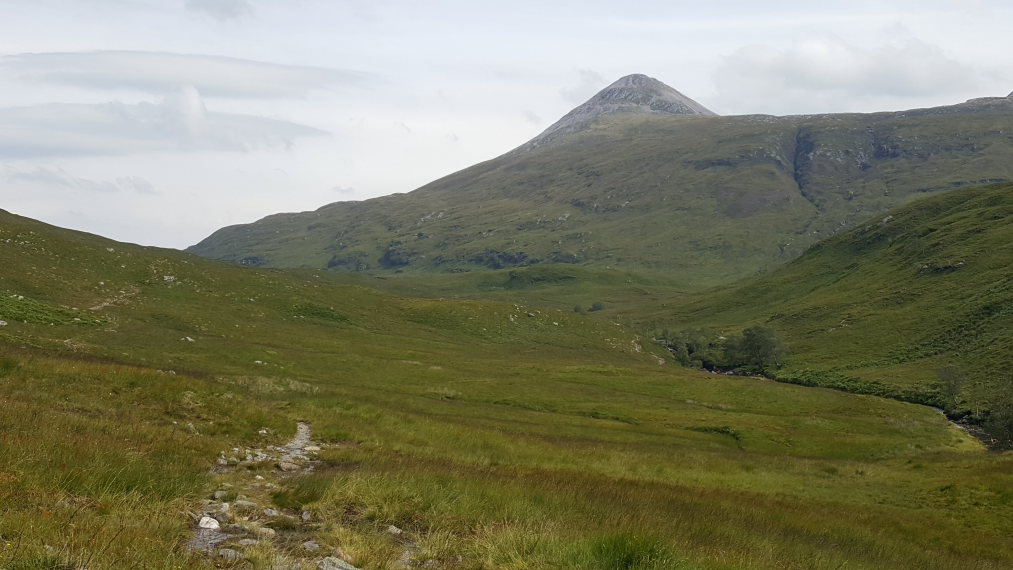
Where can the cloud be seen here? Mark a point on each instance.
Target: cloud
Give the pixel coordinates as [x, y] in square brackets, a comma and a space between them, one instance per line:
[160, 72]
[180, 122]
[590, 83]
[346, 190]
[221, 10]
[827, 71]
[45, 177]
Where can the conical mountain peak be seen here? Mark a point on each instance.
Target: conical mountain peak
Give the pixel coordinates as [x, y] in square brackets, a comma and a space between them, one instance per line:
[635, 93]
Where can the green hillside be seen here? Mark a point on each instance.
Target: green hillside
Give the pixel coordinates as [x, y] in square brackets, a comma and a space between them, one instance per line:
[494, 435]
[701, 199]
[887, 306]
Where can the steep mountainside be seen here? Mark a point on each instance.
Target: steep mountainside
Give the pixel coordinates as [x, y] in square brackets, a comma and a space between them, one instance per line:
[886, 306]
[704, 198]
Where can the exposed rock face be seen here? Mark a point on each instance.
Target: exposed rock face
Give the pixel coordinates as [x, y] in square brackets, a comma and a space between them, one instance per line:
[631, 94]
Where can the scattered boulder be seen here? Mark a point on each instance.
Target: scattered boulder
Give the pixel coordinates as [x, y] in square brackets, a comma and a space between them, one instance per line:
[229, 554]
[287, 466]
[209, 523]
[245, 505]
[310, 546]
[265, 531]
[248, 542]
[334, 563]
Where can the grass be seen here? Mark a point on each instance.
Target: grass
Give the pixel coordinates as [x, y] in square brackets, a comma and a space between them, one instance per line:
[494, 439]
[882, 308]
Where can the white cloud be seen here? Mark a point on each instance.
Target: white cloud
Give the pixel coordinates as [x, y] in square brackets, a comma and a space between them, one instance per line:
[180, 122]
[48, 178]
[532, 117]
[221, 9]
[160, 72]
[826, 73]
[590, 82]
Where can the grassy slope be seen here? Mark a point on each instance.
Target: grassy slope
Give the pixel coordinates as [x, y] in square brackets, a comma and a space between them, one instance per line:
[703, 200]
[892, 301]
[534, 442]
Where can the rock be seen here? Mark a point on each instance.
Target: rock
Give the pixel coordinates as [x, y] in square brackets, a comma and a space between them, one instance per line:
[217, 508]
[310, 546]
[235, 529]
[220, 495]
[229, 554]
[221, 517]
[248, 542]
[245, 505]
[306, 516]
[393, 529]
[206, 539]
[334, 563]
[270, 513]
[287, 466]
[265, 531]
[208, 522]
[312, 448]
[3, 323]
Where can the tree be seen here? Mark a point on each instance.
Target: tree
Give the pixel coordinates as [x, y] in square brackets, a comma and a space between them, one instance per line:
[951, 381]
[757, 348]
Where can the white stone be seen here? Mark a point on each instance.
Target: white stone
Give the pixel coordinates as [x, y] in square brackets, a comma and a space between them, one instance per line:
[208, 522]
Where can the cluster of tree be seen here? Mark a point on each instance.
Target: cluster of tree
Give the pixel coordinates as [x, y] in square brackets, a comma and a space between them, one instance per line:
[756, 350]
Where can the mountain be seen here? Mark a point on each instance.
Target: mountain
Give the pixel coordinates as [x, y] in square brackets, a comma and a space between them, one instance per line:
[623, 183]
[631, 94]
[885, 307]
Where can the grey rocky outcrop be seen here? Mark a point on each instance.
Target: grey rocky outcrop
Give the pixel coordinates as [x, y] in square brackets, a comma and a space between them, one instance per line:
[631, 94]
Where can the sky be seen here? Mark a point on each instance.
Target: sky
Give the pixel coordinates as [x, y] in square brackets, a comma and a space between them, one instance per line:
[159, 121]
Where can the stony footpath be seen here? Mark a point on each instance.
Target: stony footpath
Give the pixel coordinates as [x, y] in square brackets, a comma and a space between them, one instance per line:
[239, 528]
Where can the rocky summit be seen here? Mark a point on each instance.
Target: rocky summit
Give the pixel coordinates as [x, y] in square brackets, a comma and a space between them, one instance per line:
[635, 93]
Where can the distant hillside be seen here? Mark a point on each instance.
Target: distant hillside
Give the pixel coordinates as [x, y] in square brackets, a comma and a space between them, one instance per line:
[886, 306]
[651, 182]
